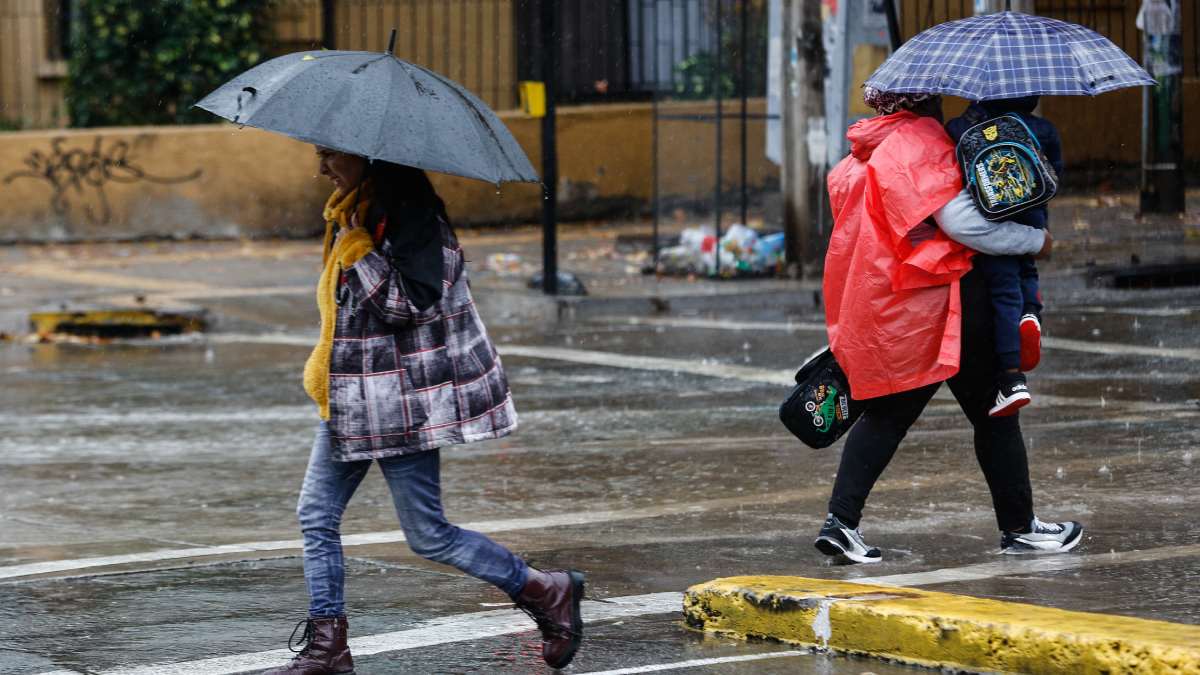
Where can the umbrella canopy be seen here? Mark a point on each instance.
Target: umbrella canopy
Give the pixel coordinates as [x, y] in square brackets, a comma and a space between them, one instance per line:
[374, 105]
[1008, 55]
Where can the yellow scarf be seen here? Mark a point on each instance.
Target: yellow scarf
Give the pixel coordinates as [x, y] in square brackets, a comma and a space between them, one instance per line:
[353, 244]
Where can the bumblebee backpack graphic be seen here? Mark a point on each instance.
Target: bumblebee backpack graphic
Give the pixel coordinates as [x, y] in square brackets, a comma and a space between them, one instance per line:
[1004, 169]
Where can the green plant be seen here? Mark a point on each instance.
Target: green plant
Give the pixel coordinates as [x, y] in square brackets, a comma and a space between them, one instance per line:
[694, 75]
[146, 62]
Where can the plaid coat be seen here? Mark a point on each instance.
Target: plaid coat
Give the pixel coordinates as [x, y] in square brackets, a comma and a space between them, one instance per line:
[403, 380]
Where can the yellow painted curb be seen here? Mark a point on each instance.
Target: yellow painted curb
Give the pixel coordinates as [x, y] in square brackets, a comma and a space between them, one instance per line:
[940, 629]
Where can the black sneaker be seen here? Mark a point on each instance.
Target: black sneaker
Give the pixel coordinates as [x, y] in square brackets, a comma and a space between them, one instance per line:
[836, 539]
[1042, 538]
[1012, 394]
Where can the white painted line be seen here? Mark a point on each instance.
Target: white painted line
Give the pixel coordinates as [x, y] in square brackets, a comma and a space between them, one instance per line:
[494, 623]
[1135, 311]
[1032, 564]
[149, 418]
[593, 516]
[1065, 344]
[299, 340]
[697, 663]
[1117, 349]
[692, 367]
[442, 630]
[780, 377]
[634, 362]
[720, 324]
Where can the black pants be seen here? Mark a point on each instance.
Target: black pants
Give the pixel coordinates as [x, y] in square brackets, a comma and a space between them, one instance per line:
[999, 446]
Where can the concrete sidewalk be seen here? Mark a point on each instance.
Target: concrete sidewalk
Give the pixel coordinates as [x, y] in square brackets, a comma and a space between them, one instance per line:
[1090, 233]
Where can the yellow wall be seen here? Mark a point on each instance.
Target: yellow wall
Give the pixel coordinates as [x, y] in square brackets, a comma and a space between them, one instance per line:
[221, 181]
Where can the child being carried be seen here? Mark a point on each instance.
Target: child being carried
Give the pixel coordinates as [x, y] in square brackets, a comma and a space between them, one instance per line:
[1010, 181]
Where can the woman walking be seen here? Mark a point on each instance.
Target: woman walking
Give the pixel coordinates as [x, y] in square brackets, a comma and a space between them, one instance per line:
[403, 367]
[906, 313]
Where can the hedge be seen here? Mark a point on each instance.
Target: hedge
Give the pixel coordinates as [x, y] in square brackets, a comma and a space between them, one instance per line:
[135, 62]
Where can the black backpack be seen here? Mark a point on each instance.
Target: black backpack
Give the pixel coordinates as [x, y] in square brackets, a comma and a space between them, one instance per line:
[819, 409]
[1004, 168]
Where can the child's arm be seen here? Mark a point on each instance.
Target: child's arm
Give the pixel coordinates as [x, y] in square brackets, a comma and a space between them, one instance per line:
[962, 222]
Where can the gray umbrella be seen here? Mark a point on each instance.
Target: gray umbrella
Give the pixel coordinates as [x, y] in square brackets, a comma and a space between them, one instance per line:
[374, 105]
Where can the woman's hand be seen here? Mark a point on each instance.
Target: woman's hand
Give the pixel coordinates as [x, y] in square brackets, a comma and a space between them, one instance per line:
[1047, 247]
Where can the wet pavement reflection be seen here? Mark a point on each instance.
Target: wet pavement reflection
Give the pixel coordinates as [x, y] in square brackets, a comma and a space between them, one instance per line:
[678, 478]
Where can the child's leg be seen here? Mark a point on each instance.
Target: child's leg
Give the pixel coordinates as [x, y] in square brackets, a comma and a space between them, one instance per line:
[1002, 276]
[1031, 294]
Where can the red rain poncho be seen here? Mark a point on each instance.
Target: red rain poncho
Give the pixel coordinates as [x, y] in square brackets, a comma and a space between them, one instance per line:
[892, 309]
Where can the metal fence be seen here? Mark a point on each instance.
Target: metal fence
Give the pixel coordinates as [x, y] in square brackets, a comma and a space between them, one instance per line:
[470, 41]
[1114, 19]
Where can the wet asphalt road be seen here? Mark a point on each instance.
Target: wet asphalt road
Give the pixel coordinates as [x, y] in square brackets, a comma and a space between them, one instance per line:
[647, 479]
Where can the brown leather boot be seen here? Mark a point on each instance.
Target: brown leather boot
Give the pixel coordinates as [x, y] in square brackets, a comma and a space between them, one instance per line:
[552, 600]
[325, 651]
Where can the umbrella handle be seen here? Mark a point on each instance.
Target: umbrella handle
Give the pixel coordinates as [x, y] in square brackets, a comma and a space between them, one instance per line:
[391, 43]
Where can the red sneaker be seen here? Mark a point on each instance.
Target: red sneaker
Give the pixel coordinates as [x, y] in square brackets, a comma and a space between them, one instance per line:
[1031, 342]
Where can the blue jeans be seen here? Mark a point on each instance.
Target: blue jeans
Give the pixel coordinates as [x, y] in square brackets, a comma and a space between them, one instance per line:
[1012, 283]
[414, 481]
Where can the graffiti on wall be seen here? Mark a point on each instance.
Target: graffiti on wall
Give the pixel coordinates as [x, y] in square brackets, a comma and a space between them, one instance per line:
[79, 177]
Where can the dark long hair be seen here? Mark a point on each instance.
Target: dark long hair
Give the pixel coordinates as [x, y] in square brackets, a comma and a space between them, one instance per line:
[398, 185]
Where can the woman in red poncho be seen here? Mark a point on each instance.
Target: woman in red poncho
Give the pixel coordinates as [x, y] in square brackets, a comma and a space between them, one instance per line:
[905, 313]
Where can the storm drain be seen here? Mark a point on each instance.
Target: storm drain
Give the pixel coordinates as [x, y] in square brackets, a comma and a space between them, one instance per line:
[1148, 276]
[116, 323]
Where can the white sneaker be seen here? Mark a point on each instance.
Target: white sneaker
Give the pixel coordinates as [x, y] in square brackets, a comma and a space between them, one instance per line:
[838, 540]
[1042, 538]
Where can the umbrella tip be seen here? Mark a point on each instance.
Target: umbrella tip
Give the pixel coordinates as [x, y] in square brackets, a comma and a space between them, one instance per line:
[392, 42]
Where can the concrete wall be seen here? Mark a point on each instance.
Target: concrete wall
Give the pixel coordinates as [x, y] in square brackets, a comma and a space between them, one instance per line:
[221, 181]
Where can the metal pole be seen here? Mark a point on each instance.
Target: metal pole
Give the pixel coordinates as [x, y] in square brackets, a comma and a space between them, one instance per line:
[327, 24]
[654, 167]
[745, 77]
[893, 23]
[1162, 114]
[716, 83]
[549, 21]
[803, 101]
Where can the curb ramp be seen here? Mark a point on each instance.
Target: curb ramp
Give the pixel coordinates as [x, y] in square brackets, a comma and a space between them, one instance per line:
[940, 630]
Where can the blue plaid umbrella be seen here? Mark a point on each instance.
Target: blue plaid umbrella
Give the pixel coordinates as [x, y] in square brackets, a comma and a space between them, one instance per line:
[1007, 55]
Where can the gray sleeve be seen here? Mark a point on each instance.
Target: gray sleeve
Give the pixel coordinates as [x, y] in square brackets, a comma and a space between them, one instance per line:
[962, 222]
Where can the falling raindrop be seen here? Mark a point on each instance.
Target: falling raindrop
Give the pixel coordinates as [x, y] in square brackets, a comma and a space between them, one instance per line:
[1060, 474]
[1187, 458]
